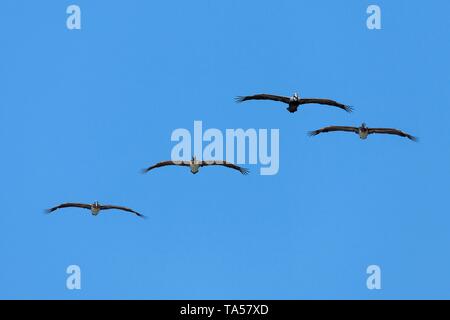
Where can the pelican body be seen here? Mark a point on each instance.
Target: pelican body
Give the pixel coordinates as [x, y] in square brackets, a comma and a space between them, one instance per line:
[295, 101]
[95, 208]
[363, 131]
[195, 165]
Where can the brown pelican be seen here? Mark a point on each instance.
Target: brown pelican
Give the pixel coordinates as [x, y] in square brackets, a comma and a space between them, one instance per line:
[363, 131]
[95, 208]
[195, 165]
[295, 101]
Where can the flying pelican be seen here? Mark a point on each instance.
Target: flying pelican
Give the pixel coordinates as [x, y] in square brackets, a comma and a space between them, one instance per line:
[295, 101]
[195, 165]
[95, 208]
[363, 131]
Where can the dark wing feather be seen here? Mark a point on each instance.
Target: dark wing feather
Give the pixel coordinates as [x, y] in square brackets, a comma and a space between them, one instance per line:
[70, 205]
[326, 102]
[333, 128]
[108, 207]
[263, 97]
[167, 163]
[392, 131]
[242, 170]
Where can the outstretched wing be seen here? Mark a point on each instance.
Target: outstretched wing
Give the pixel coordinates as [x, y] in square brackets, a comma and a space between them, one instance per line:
[108, 207]
[167, 163]
[70, 205]
[392, 131]
[242, 170]
[333, 128]
[327, 102]
[263, 97]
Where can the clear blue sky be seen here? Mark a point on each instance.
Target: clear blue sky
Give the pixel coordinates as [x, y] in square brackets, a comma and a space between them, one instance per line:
[83, 111]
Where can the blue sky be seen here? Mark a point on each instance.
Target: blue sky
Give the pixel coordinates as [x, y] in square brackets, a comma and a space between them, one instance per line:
[83, 111]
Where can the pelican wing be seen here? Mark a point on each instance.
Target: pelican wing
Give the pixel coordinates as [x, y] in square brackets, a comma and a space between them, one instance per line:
[263, 97]
[333, 128]
[392, 131]
[242, 170]
[167, 163]
[327, 102]
[108, 207]
[70, 205]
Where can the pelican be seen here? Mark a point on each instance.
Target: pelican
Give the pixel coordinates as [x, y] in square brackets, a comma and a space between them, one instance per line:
[195, 165]
[95, 208]
[363, 131]
[295, 101]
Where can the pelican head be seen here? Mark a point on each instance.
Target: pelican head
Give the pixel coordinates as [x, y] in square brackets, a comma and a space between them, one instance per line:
[363, 125]
[295, 97]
